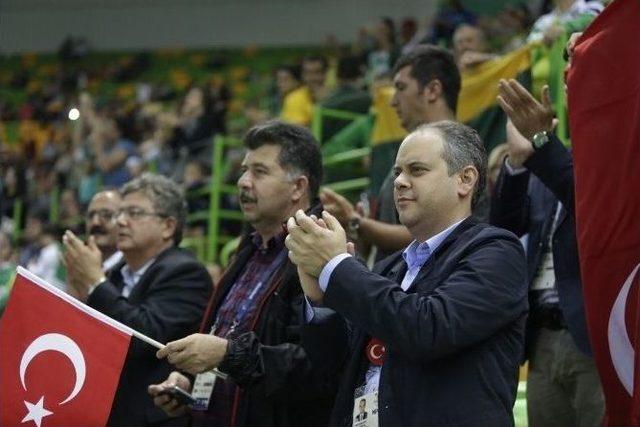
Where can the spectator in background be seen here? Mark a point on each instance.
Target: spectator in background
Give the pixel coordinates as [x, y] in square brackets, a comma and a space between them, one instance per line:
[511, 28]
[408, 30]
[470, 47]
[534, 195]
[314, 76]
[135, 166]
[7, 268]
[288, 80]
[193, 126]
[427, 84]
[14, 181]
[298, 105]
[160, 290]
[347, 96]
[111, 152]
[452, 13]
[70, 214]
[41, 255]
[549, 27]
[287, 98]
[386, 50]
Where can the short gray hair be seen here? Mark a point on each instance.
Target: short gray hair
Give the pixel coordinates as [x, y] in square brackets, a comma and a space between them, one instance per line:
[462, 147]
[165, 195]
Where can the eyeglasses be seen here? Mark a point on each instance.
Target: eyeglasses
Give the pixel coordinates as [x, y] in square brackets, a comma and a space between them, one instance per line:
[135, 213]
[104, 215]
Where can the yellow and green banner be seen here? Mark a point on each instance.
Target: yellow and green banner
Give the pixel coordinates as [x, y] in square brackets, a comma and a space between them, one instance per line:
[477, 103]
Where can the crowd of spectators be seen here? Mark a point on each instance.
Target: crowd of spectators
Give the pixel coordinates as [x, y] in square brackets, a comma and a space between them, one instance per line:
[72, 142]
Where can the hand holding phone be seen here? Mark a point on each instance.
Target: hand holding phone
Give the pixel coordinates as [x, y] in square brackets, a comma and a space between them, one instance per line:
[178, 394]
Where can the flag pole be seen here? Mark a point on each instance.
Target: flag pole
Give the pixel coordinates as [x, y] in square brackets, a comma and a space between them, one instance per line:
[160, 346]
[97, 314]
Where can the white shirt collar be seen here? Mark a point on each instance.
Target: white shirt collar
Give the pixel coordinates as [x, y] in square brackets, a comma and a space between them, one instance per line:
[131, 278]
[108, 263]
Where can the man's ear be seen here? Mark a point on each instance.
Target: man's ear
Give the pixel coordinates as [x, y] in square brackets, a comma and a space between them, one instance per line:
[301, 188]
[433, 90]
[468, 177]
[169, 228]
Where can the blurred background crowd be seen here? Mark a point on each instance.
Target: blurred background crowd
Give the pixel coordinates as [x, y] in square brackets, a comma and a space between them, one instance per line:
[78, 120]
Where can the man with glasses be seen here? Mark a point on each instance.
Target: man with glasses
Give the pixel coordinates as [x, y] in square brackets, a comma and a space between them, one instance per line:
[101, 224]
[158, 289]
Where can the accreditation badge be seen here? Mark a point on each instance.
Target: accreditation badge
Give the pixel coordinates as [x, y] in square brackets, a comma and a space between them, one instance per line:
[202, 390]
[365, 410]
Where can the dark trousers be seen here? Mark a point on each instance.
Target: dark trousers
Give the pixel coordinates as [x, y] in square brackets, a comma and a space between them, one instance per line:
[563, 386]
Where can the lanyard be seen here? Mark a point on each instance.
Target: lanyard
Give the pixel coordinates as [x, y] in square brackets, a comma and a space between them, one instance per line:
[247, 304]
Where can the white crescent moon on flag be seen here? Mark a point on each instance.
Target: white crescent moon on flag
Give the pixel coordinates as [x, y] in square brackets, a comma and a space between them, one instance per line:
[622, 352]
[62, 344]
[372, 352]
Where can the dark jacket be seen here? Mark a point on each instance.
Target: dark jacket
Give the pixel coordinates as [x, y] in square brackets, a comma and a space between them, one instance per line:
[526, 203]
[454, 339]
[278, 385]
[166, 304]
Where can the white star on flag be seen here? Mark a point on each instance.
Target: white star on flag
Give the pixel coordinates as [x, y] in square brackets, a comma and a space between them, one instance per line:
[36, 412]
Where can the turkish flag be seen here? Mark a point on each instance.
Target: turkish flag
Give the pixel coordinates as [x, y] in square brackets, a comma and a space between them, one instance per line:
[61, 360]
[604, 114]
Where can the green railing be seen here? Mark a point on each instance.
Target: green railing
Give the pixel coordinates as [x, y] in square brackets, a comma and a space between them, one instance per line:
[215, 246]
[218, 190]
[207, 247]
[320, 113]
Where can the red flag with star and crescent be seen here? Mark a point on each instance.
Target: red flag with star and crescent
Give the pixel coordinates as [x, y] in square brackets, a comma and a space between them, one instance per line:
[604, 115]
[60, 360]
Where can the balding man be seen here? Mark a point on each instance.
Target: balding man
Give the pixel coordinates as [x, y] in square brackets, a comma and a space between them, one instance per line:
[439, 323]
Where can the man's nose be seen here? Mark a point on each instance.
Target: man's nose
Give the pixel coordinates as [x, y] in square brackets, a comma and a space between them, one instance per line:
[244, 181]
[400, 181]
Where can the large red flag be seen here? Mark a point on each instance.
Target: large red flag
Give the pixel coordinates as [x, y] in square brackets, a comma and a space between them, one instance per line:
[60, 360]
[604, 115]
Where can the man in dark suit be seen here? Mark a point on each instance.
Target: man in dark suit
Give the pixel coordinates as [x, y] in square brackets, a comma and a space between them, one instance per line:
[362, 407]
[159, 290]
[534, 197]
[437, 324]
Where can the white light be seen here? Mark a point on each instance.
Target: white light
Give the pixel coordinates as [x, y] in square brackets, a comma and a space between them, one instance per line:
[74, 114]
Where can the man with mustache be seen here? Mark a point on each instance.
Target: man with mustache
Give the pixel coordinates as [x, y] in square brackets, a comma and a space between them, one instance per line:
[251, 330]
[158, 289]
[101, 225]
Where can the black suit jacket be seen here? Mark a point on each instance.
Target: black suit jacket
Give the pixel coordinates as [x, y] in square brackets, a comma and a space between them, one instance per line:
[166, 304]
[278, 385]
[526, 203]
[454, 339]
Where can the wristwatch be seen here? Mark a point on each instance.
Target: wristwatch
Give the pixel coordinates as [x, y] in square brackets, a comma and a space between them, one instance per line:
[540, 139]
[95, 284]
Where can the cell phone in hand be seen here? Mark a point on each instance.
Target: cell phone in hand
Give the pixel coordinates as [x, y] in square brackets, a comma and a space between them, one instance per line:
[179, 394]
